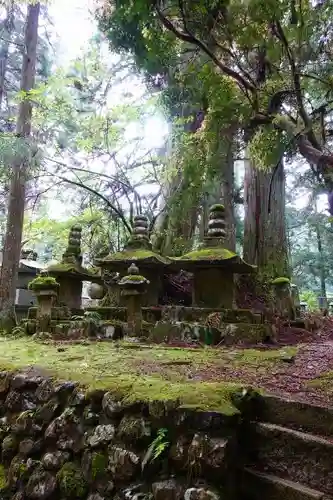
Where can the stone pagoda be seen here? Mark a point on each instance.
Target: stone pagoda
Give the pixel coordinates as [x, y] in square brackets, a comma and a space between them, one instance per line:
[138, 250]
[213, 266]
[133, 287]
[70, 273]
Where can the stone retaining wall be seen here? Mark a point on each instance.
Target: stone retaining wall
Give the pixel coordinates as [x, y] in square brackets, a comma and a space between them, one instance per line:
[58, 442]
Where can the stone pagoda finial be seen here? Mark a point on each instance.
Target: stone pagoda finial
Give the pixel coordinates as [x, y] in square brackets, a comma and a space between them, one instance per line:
[73, 249]
[216, 224]
[133, 269]
[140, 234]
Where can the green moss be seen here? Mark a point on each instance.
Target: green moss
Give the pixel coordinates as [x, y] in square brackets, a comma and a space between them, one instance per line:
[99, 464]
[22, 470]
[281, 281]
[143, 372]
[135, 277]
[68, 268]
[324, 382]
[71, 481]
[257, 358]
[217, 207]
[134, 255]
[94, 270]
[209, 254]
[3, 478]
[43, 283]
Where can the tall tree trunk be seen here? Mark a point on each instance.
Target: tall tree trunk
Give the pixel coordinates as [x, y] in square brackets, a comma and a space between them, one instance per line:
[265, 239]
[16, 204]
[7, 31]
[170, 229]
[221, 190]
[321, 258]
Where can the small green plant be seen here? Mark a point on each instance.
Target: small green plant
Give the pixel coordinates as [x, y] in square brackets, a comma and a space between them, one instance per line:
[156, 448]
[159, 445]
[311, 299]
[92, 316]
[43, 283]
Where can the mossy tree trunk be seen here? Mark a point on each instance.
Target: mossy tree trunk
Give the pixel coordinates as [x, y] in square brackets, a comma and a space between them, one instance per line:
[221, 190]
[265, 238]
[17, 190]
[174, 231]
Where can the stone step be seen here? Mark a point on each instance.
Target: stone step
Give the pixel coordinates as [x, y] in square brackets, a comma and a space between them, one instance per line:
[297, 415]
[259, 486]
[290, 454]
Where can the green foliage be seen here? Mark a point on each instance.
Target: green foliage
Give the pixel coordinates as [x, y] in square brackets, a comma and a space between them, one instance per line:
[160, 444]
[250, 74]
[310, 298]
[92, 315]
[267, 147]
[43, 283]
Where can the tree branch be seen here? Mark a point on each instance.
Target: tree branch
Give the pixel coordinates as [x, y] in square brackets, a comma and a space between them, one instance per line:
[96, 193]
[192, 39]
[297, 85]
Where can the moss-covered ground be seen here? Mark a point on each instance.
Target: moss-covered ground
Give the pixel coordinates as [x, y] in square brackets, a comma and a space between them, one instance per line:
[203, 378]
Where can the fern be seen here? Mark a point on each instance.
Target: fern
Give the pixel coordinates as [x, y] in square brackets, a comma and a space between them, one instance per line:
[160, 444]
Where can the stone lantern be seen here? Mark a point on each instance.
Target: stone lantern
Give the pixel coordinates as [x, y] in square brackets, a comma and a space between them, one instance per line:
[133, 286]
[45, 289]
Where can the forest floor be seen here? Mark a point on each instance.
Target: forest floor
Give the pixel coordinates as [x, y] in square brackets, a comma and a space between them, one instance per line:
[203, 377]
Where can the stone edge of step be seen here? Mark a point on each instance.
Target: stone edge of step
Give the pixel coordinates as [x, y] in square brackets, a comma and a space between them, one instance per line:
[286, 484]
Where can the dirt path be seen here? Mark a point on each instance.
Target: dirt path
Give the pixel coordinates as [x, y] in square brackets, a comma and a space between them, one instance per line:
[287, 378]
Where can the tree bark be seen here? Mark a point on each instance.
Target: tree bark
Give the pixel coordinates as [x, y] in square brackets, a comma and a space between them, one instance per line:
[265, 238]
[8, 27]
[221, 190]
[16, 202]
[321, 258]
[171, 229]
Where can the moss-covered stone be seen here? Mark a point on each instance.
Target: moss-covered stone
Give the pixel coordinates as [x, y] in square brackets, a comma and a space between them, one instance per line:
[18, 471]
[217, 207]
[132, 255]
[43, 283]
[135, 278]
[68, 268]
[3, 478]
[133, 428]
[233, 333]
[209, 254]
[29, 326]
[71, 481]
[99, 463]
[282, 280]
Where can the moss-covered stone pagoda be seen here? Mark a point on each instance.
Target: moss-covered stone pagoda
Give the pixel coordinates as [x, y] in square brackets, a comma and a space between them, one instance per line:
[70, 273]
[213, 266]
[138, 250]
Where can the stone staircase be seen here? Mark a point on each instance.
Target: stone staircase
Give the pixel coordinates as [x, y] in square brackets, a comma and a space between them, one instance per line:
[289, 452]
